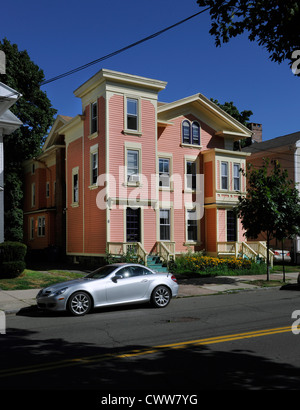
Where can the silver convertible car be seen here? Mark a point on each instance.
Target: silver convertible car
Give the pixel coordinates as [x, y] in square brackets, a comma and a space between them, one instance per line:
[115, 284]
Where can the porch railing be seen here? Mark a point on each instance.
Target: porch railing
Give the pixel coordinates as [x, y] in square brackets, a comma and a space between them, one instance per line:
[120, 248]
[166, 250]
[251, 250]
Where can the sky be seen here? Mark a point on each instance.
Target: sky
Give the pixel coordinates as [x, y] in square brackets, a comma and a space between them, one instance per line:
[62, 35]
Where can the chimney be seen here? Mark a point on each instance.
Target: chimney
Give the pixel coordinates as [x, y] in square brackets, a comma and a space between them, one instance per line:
[257, 132]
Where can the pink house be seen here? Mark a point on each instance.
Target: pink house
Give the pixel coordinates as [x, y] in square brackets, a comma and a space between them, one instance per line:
[154, 177]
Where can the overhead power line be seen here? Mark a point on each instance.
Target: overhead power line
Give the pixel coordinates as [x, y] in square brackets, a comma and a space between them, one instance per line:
[121, 50]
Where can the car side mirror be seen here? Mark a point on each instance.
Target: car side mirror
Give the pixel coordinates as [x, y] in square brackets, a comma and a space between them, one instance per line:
[116, 278]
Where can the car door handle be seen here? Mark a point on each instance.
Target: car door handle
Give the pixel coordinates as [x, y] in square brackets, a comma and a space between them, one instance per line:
[144, 280]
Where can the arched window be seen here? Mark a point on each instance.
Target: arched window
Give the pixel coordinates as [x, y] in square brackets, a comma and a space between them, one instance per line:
[195, 133]
[186, 132]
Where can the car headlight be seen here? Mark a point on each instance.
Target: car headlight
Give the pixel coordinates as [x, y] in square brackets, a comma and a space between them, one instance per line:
[58, 292]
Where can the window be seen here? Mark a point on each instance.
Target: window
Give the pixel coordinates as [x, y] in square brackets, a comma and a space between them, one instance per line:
[195, 133]
[191, 172]
[190, 133]
[224, 175]
[94, 117]
[132, 114]
[94, 167]
[192, 226]
[33, 194]
[236, 177]
[47, 189]
[164, 172]
[75, 185]
[164, 222]
[132, 165]
[31, 228]
[186, 132]
[41, 226]
[33, 168]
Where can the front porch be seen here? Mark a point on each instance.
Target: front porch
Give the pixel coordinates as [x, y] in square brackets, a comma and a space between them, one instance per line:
[256, 250]
[166, 251]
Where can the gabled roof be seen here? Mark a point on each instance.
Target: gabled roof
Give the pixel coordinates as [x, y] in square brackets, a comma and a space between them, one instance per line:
[279, 143]
[223, 123]
[53, 135]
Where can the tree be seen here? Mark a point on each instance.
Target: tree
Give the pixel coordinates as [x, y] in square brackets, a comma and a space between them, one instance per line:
[243, 117]
[273, 23]
[35, 111]
[271, 205]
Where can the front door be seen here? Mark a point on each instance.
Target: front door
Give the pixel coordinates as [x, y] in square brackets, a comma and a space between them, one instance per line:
[231, 227]
[133, 224]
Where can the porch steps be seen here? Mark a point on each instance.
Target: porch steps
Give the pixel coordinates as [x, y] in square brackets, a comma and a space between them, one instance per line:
[154, 263]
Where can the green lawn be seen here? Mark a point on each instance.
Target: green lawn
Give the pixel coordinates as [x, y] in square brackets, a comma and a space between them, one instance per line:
[31, 279]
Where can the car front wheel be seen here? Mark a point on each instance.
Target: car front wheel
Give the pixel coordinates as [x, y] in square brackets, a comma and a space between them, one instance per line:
[79, 304]
[161, 296]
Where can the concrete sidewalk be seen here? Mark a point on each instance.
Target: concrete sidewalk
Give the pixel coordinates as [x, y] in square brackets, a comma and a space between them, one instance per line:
[12, 301]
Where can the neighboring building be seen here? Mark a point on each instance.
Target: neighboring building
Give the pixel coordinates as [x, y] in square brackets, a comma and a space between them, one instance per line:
[44, 196]
[285, 149]
[130, 174]
[8, 124]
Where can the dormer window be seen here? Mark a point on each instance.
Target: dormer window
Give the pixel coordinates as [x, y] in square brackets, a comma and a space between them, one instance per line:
[190, 133]
[186, 132]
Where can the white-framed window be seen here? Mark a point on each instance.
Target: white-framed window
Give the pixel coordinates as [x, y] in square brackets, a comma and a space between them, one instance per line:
[75, 185]
[93, 164]
[47, 189]
[94, 117]
[133, 171]
[224, 175]
[165, 224]
[164, 172]
[33, 194]
[191, 174]
[191, 133]
[31, 228]
[191, 225]
[236, 177]
[132, 112]
[41, 226]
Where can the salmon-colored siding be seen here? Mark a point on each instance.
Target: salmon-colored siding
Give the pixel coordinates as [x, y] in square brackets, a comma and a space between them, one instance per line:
[99, 215]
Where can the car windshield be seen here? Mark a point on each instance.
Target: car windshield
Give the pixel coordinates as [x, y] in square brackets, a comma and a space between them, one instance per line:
[101, 272]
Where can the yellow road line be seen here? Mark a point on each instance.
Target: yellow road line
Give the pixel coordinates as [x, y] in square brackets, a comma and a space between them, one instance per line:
[138, 352]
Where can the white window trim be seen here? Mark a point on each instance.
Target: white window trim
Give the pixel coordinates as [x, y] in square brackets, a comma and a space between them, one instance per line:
[31, 228]
[133, 146]
[169, 156]
[221, 175]
[33, 195]
[234, 178]
[187, 159]
[190, 207]
[75, 171]
[41, 218]
[94, 133]
[47, 189]
[93, 150]
[127, 131]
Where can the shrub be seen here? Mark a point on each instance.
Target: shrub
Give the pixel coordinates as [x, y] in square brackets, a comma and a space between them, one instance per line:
[12, 258]
[206, 265]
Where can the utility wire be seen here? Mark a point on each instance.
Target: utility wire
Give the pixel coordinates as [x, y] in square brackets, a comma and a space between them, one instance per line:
[121, 50]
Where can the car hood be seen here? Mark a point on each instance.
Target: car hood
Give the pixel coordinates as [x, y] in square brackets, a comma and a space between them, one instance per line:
[68, 284]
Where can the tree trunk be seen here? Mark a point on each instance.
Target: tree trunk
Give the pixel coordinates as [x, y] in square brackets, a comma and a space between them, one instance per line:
[268, 256]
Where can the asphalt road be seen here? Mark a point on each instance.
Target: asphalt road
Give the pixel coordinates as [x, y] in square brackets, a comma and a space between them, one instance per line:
[240, 341]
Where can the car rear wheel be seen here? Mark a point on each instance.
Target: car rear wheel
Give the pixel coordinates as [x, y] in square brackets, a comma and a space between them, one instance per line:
[80, 303]
[161, 296]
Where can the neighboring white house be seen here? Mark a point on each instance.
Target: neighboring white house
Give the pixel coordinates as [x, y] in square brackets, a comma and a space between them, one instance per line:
[8, 124]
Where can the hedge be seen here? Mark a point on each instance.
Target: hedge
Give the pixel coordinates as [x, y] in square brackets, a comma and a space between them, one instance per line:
[12, 258]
